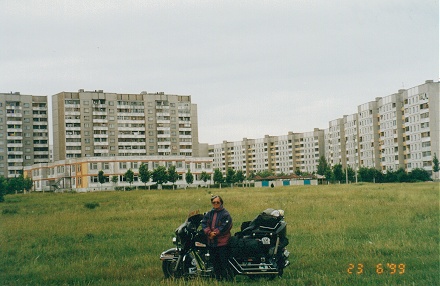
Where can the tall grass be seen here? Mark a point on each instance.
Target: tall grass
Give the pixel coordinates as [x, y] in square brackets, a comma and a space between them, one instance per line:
[115, 238]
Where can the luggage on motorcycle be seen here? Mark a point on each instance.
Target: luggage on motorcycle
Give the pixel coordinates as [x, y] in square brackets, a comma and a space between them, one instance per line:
[269, 222]
[245, 247]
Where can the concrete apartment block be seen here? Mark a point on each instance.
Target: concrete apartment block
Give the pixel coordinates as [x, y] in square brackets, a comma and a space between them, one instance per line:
[101, 124]
[421, 125]
[24, 132]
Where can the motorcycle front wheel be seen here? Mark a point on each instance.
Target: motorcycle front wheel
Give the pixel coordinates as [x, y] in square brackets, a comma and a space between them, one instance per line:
[168, 267]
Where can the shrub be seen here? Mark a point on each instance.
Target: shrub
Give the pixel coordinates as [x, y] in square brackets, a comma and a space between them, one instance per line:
[91, 205]
[10, 211]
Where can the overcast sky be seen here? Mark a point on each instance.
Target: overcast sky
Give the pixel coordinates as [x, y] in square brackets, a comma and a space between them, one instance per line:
[254, 68]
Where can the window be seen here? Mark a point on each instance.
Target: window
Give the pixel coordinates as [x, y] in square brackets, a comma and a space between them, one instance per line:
[122, 165]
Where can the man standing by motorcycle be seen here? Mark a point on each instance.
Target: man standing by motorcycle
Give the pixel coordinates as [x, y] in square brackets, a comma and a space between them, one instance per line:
[217, 224]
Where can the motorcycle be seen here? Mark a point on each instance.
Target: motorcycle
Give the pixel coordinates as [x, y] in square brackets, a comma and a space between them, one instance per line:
[257, 250]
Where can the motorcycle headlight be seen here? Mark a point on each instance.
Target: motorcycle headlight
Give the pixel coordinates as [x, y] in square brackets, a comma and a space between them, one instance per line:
[174, 240]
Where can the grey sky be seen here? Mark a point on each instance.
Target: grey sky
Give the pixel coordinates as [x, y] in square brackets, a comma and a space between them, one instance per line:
[252, 67]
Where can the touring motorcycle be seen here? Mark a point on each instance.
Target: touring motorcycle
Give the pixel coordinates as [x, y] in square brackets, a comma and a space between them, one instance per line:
[257, 250]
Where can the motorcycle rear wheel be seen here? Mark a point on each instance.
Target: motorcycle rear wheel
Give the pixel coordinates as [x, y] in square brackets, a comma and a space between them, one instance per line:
[168, 267]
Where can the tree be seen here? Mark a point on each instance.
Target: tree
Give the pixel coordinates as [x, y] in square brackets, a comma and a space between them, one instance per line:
[401, 176]
[329, 176]
[378, 176]
[322, 166]
[160, 176]
[390, 176]
[251, 176]
[15, 185]
[2, 189]
[144, 174]
[205, 177]
[435, 164]
[115, 179]
[264, 174]
[129, 176]
[218, 176]
[230, 173]
[338, 173]
[419, 174]
[101, 177]
[189, 178]
[28, 184]
[351, 174]
[172, 175]
[239, 176]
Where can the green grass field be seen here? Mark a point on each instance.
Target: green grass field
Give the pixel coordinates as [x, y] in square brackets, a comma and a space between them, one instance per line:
[388, 233]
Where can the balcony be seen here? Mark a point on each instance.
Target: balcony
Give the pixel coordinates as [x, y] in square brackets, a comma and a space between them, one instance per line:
[103, 113]
[165, 121]
[100, 143]
[100, 128]
[73, 144]
[20, 160]
[72, 113]
[100, 135]
[100, 120]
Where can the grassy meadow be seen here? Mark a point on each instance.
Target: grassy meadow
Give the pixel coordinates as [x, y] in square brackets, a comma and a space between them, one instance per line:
[384, 234]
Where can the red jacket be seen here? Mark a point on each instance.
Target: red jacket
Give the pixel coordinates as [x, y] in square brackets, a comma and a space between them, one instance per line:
[222, 226]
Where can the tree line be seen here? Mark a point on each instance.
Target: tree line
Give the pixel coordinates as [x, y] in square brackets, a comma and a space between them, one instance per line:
[364, 174]
[160, 175]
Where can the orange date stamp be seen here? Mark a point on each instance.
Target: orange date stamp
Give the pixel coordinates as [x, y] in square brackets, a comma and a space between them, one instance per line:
[386, 268]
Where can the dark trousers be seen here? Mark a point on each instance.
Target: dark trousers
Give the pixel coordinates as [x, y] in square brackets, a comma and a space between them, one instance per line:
[219, 257]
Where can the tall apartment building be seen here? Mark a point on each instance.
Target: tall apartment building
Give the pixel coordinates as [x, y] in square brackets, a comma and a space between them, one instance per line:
[335, 147]
[390, 131]
[24, 132]
[421, 125]
[284, 161]
[351, 132]
[369, 135]
[100, 124]
[309, 147]
[248, 155]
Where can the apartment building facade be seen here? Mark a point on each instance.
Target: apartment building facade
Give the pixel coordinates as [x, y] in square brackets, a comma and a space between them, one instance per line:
[101, 124]
[334, 146]
[421, 126]
[390, 128]
[400, 130]
[351, 136]
[24, 132]
[278, 154]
